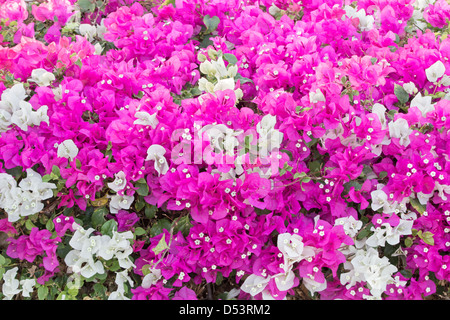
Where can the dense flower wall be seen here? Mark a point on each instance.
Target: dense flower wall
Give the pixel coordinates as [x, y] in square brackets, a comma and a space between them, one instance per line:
[193, 149]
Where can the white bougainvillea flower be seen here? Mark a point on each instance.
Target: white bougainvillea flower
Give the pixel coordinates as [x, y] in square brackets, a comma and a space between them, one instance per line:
[292, 247]
[67, 149]
[207, 68]
[266, 124]
[423, 103]
[12, 96]
[410, 88]
[365, 21]
[445, 81]
[422, 4]
[435, 71]
[400, 129]
[146, 119]
[27, 286]
[80, 236]
[220, 69]
[119, 182]
[22, 117]
[121, 278]
[98, 49]
[380, 111]
[402, 229]
[42, 77]
[156, 153]
[377, 271]
[284, 281]
[269, 137]
[40, 190]
[379, 199]
[29, 204]
[314, 286]
[32, 180]
[316, 96]
[254, 284]
[232, 71]
[39, 116]
[350, 224]
[151, 278]
[5, 118]
[88, 31]
[205, 85]
[10, 285]
[92, 268]
[119, 202]
[224, 84]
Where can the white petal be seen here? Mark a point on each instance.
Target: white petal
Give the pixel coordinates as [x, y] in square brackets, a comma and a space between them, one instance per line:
[155, 150]
[435, 71]
[67, 149]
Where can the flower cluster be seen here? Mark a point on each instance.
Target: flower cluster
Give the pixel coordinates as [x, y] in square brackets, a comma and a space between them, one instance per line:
[282, 149]
[23, 199]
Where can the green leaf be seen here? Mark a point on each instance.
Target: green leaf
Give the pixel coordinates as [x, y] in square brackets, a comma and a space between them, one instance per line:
[383, 174]
[150, 211]
[206, 42]
[364, 232]
[42, 292]
[139, 204]
[231, 58]
[416, 205]
[211, 23]
[141, 180]
[183, 225]
[406, 273]
[98, 216]
[29, 225]
[427, 237]
[242, 79]
[299, 109]
[146, 269]
[195, 91]
[306, 179]
[113, 265]
[142, 189]
[159, 226]
[16, 172]
[161, 246]
[2, 260]
[401, 94]
[50, 225]
[66, 296]
[219, 278]
[79, 63]
[392, 48]
[86, 5]
[108, 227]
[299, 175]
[167, 2]
[100, 290]
[408, 242]
[72, 292]
[139, 231]
[314, 166]
[46, 178]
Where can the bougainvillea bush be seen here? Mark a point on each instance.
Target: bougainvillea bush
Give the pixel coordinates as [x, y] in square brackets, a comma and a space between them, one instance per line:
[195, 149]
